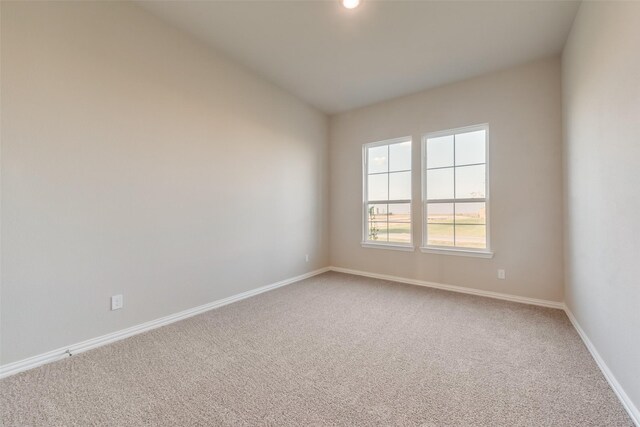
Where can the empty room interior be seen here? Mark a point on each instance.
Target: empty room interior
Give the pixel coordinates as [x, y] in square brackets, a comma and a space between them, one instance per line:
[327, 213]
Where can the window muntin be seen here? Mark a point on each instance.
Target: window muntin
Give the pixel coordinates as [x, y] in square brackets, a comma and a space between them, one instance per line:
[455, 189]
[387, 192]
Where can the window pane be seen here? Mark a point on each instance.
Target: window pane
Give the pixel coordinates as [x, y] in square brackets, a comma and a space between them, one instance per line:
[440, 184]
[388, 177]
[439, 234]
[400, 212]
[440, 152]
[440, 213]
[471, 213]
[399, 185]
[378, 160]
[377, 231]
[470, 182]
[471, 236]
[399, 232]
[378, 187]
[470, 148]
[400, 156]
[377, 213]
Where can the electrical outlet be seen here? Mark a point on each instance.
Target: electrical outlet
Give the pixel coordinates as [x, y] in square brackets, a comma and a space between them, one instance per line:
[306, 258]
[502, 274]
[116, 302]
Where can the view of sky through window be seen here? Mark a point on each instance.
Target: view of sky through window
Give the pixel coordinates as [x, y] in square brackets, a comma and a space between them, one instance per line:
[388, 194]
[455, 179]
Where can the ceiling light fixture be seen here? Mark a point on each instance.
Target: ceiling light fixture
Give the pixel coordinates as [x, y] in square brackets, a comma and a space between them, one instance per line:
[350, 4]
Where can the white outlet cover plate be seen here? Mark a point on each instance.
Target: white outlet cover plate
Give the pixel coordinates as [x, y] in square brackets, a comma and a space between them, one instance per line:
[116, 302]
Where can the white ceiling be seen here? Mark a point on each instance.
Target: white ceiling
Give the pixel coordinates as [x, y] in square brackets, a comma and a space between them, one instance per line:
[338, 59]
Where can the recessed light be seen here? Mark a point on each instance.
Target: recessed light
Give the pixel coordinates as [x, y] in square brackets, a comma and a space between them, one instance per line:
[350, 4]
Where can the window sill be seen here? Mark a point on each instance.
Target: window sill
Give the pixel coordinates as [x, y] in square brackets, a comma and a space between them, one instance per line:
[457, 252]
[390, 246]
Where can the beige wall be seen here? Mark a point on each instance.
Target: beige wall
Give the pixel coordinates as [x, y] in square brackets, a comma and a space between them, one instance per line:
[601, 85]
[137, 161]
[523, 108]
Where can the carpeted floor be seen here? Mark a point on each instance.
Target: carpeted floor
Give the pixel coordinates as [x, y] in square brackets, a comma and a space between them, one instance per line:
[335, 349]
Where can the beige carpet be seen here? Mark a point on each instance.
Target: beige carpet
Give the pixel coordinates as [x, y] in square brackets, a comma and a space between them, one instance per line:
[332, 350]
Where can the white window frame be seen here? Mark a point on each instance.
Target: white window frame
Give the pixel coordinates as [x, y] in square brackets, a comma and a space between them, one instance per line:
[452, 250]
[365, 192]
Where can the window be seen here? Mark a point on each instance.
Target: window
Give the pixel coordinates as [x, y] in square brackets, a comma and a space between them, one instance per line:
[455, 191]
[387, 194]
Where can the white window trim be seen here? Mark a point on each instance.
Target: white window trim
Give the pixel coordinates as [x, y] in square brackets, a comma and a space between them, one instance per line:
[391, 246]
[365, 191]
[448, 250]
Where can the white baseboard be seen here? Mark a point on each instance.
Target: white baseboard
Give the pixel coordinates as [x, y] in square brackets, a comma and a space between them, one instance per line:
[60, 353]
[453, 288]
[51, 356]
[628, 405]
